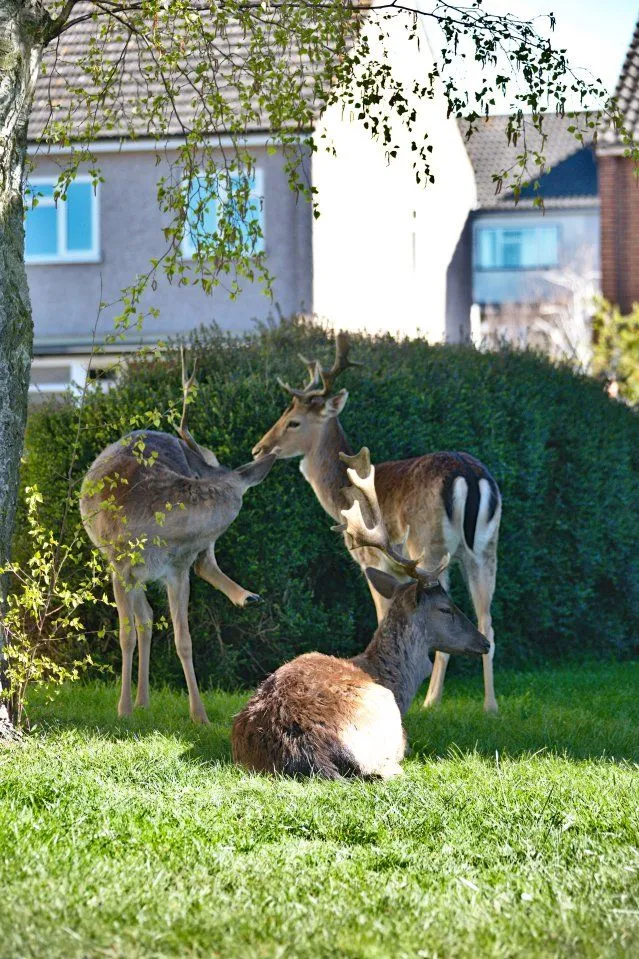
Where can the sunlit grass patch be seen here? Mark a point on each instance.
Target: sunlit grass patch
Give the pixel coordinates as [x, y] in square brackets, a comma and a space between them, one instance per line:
[515, 835]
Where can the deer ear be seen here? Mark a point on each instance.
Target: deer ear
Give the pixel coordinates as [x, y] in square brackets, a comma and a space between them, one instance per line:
[335, 404]
[254, 472]
[385, 584]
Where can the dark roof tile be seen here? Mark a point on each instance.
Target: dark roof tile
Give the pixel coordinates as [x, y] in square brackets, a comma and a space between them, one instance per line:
[627, 94]
[570, 175]
[56, 97]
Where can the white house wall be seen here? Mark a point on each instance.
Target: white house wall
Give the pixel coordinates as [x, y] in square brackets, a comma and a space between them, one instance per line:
[383, 246]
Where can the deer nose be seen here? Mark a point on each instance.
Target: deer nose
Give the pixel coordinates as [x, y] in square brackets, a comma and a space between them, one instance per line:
[258, 450]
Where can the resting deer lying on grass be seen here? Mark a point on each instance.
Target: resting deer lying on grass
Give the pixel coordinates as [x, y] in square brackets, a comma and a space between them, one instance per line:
[319, 715]
[156, 505]
[448, 501]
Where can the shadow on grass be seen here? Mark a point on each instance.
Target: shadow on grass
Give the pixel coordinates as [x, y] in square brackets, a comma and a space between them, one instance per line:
[586, 712]
[91, 710]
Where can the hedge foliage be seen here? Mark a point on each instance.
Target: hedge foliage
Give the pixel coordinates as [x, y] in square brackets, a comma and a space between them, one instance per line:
[565, 456]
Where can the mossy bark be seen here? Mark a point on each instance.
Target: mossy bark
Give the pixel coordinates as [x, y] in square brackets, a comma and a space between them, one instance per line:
[22, 29]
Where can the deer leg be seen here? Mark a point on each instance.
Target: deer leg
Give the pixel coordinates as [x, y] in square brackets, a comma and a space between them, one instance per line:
[481, 583]
[206, 567]
[436, 684]
[438, 675]
[178, 591]
[125, 603]
[144, 628]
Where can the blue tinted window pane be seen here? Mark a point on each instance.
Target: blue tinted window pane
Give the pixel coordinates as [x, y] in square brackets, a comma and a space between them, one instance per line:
[209, 219]
[511, 248]
[40, 190]
[41, 231]
[79, 210]
[487, 248]
[207, 216]
[253, 214]
[548, 247]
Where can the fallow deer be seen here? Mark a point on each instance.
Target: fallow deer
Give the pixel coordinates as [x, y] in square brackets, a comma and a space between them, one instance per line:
[319, 715]
[440, 503]
[155, 504]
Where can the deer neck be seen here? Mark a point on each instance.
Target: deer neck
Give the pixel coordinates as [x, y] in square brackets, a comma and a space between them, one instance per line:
[397, 657]
[325, 471]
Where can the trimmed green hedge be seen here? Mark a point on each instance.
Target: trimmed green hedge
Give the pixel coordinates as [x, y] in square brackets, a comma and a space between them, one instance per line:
[565, 456]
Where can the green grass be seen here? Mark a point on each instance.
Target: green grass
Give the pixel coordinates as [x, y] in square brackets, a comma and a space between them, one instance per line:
[508, 836]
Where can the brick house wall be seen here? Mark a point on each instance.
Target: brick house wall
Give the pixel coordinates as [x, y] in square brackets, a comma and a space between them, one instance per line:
[619, 191]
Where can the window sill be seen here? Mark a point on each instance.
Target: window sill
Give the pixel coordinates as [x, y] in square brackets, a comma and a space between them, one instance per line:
[63, 260]
[516, 269]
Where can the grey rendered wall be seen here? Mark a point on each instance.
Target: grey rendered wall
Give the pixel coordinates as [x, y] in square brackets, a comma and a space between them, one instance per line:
[65, 298]
[578, 251]
[459, 288]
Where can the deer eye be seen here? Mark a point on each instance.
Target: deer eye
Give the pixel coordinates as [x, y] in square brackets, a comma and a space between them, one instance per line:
[446, 609]
[292, 424]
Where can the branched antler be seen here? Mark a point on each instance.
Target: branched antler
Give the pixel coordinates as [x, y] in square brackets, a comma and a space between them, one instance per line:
[326, 377]
[361, 473]
[188, 383]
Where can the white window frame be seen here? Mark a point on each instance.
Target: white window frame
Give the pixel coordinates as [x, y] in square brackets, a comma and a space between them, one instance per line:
[187, 247]
[63, 255]
[78, 367]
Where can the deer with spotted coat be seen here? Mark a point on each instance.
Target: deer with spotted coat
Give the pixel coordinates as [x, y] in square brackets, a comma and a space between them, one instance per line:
[445, 502]
[155, 505]
[323, 716]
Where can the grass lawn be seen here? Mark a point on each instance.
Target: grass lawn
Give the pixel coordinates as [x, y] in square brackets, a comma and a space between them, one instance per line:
[509, 836]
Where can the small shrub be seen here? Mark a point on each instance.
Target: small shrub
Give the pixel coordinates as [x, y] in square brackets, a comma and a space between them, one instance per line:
[565, 456]
[45, 637]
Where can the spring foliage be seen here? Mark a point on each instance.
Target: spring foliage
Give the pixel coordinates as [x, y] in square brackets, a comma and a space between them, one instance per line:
[565, 456]
[616, 349]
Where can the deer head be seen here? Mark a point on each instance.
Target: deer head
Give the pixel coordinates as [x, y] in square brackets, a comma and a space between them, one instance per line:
[312, 407]
[416, 590]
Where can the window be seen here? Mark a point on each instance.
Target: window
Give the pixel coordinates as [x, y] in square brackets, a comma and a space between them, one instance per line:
[57, 374]
[61, 231]
[525, 248]
[208, 215]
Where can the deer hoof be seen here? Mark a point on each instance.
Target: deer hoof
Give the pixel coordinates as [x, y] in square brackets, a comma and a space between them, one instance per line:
[199, 716]
[491, 708]
[253, 599]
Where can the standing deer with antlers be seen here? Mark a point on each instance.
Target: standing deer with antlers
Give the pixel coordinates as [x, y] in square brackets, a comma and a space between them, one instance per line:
[155, 505]
[435, 504]
[323, 716]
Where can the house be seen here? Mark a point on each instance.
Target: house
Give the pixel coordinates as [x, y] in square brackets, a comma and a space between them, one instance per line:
[535, 270]
[381, 255]
[619, 189]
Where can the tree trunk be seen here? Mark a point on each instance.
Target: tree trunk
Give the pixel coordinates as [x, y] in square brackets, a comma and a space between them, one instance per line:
[22, 28]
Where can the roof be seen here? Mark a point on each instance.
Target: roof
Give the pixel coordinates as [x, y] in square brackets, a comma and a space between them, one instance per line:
[627, 94]
[569, 178]
[64, 76]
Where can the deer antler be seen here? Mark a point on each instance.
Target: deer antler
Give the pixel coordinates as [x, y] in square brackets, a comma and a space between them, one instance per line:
[188, 382]
[361, 473]
[317, 374]
[310, 388]
[341, 363]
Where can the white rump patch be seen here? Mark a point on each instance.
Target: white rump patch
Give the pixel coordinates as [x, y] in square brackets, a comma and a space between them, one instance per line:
[452, 529]
[485, 530]
[375, 737]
